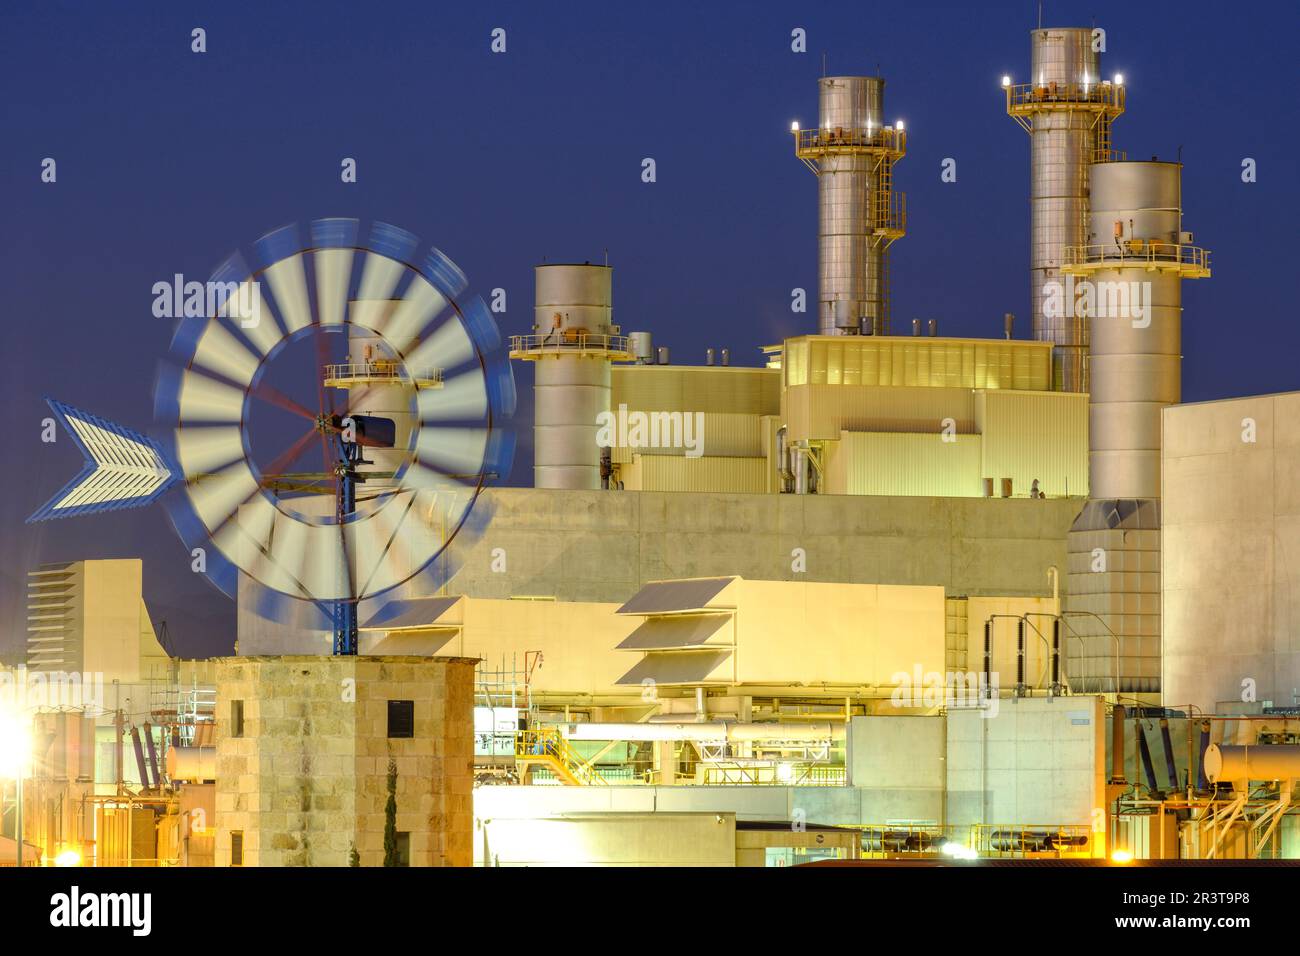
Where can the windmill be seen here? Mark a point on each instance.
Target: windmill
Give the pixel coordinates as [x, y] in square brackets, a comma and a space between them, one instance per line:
[421, 430]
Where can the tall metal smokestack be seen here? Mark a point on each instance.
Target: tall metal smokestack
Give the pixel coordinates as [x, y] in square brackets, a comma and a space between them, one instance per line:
[853, 153]
[1067, 110]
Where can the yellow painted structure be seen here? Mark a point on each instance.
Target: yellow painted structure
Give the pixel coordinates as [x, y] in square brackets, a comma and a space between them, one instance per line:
[884, 463]
[694, 388]
[824, 639]
[664, 473]
[917, 360]
[883, 415]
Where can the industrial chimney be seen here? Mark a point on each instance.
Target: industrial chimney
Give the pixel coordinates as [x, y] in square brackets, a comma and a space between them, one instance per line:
[1135, 258]
[1067, 109]
[853, 153]
[573, 343]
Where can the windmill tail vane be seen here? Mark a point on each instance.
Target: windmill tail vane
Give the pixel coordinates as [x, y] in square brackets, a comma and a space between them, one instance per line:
[123, 468]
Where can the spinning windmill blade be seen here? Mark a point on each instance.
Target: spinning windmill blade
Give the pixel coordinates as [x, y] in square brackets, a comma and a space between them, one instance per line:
[361, 526]
[443, 452]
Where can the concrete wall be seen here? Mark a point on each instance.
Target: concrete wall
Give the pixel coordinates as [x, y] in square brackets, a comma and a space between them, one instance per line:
[603, 546]
[608, 839]
[828, 806]
[308, 779]
[1035, 761]
[1231, 560]
[898, 765]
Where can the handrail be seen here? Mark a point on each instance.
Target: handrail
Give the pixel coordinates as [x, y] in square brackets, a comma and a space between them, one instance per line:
[386, 368]
[800, 775]
[568, 340]
[548, 744]
[885, 138]
[1147, 253]
[1049, 95]
[1017, 840]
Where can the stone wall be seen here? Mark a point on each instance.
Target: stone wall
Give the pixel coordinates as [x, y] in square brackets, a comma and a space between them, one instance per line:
[307, 780]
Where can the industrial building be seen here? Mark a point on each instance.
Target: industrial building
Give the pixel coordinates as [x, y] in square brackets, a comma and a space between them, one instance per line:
[882, 594]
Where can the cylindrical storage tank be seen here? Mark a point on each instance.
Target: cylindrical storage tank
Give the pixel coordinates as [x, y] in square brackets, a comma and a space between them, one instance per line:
[1135, 350]
[641, 346]
[192, 763]
[1063, 144]
[571, 388]
[851, 294]
[1229, 764]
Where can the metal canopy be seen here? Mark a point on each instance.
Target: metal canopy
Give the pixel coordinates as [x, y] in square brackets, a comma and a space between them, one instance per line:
[667, 597]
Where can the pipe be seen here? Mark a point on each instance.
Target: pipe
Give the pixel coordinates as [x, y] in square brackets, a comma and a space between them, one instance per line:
[1117, 756]
[1170, 769]
[708, 356]
[988, 657]
[1239, 764]
[1202, 783]
[1056, 656]
[916, 327]
[1008, 324]
[726, 357]
[1020, 658]
[710, 731]
[934, 327]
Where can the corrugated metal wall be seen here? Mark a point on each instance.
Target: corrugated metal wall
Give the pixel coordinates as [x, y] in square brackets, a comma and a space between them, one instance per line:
[1030, 435]
[664, 473]
[886, 463]
[932, 362]
[821, 412]
[690, 388]
[720, 434]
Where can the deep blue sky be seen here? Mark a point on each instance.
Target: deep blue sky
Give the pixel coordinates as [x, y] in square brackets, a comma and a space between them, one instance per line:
[169, 160]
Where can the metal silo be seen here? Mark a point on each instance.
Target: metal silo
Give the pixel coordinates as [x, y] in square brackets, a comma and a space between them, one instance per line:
[1129, 272]
[853, 153]
[1067, 110]
[573, 342]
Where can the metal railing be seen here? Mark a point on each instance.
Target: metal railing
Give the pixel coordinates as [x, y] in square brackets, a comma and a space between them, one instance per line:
[905, 840]
[1032, 96]
[772, 775]
[563, 341]
[1019, 841]
[381, 369]
[891, 214]
[548, 746]
[1139, 253]
[839, 139]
